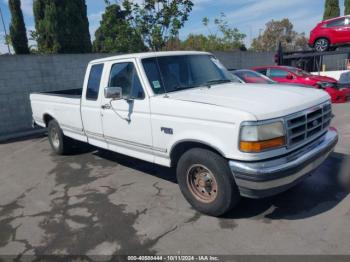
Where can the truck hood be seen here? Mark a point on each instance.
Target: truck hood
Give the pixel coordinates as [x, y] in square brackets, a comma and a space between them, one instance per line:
[262, 101]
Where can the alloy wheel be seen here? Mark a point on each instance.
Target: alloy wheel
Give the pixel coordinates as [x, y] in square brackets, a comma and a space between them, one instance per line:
[321, 45]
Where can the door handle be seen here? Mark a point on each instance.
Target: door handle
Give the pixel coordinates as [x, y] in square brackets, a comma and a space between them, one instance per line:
[106, 106]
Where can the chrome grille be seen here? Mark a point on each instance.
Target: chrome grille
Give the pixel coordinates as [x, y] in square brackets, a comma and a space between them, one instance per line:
[304, 126]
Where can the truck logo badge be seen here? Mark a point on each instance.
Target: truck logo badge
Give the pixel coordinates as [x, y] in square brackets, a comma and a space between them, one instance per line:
[166, 130]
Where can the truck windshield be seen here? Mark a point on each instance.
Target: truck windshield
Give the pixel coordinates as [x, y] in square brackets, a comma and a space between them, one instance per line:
[174, 73]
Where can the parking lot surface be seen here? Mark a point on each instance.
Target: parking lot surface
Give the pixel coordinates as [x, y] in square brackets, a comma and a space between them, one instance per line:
[98, 202]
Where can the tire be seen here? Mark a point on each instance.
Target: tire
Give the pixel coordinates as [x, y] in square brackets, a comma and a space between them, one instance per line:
[322, 45]
[206, 182]
[60, 144]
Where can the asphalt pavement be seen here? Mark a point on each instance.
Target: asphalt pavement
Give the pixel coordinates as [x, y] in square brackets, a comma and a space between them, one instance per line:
[97, 202]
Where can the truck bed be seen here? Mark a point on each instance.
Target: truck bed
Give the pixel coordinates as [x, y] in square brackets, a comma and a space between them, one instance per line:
[63, 106]
[70, 93]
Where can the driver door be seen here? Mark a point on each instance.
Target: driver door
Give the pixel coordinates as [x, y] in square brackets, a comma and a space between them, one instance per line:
[126, 122]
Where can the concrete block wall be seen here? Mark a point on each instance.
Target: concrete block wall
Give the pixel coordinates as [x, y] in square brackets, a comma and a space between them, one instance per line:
[248, 59]
[23, 74]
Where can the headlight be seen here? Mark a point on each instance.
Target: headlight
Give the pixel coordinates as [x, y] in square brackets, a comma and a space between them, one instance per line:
[256, 138]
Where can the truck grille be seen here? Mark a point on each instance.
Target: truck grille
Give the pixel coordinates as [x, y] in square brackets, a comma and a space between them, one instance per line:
[308, 124]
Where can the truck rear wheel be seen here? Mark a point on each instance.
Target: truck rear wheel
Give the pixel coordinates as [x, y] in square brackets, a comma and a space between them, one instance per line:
[206, 182]
[60, 144]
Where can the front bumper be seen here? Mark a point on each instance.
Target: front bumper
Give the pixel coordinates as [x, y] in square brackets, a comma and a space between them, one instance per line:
[270, 177]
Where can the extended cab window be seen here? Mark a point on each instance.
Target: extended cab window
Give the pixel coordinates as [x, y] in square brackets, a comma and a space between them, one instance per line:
[279, 73]
[93, 85]
[124, 75]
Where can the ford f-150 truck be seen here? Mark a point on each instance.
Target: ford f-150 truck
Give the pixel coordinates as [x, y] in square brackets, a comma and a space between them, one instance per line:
[183, 110]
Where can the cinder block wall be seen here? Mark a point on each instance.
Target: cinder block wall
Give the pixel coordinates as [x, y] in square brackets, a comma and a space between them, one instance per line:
[20, 75]
[239, 59]
[23, 74]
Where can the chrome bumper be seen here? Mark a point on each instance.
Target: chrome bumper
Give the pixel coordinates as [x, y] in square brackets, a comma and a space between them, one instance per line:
[270, 177]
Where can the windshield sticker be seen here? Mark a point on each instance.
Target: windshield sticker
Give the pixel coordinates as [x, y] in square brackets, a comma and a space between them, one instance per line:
[156, 84]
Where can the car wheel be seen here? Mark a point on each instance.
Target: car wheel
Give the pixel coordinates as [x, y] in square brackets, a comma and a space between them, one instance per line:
[321, 45]
[206, 182]
[60, 144]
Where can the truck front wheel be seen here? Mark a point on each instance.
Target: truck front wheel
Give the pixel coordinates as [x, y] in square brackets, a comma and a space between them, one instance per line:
[60, 144]
[206, 182]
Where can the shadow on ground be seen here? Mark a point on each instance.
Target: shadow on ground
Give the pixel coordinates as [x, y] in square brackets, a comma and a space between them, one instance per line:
[316, 194]
[161, 172]
[82, 219]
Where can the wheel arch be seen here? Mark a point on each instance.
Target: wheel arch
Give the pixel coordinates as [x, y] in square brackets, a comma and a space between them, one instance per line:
[321, 37]
[47, 117]
[179, 148]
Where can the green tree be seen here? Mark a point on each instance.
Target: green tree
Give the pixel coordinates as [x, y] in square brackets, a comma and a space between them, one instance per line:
[157, 21]
[347, 7]
[76, 35]
[115, 33]
[61, 26]
[279, 31]
[46, 26]
[197, 42]
[18, 32]
[173, 43]
[224, 38]
[331, 9]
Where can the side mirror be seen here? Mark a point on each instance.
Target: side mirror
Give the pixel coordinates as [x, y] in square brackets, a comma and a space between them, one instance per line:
[290, 76]
[114, 93]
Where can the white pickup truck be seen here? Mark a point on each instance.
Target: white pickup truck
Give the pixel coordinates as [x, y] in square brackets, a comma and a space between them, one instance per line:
[183, 110]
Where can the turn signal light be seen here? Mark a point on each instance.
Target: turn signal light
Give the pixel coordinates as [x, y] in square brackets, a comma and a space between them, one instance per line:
[259, 146]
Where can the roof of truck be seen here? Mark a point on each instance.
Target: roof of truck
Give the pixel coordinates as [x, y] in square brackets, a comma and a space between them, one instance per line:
[147, 54]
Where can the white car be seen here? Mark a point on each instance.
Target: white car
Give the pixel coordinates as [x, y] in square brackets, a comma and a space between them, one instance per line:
[181, 109]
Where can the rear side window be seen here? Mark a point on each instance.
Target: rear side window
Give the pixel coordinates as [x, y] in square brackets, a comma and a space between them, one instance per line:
[279, 73]
[336, 23]
[93, 85]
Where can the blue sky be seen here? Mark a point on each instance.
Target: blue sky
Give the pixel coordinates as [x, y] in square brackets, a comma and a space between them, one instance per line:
[247, 15]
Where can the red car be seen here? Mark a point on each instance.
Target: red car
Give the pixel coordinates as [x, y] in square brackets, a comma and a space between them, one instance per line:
[293, 75]
[330, 33]
[251, 77]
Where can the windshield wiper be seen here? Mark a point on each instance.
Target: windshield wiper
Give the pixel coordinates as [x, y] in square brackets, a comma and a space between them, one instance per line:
[217, 81]
[181, 88]
[207, 84]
